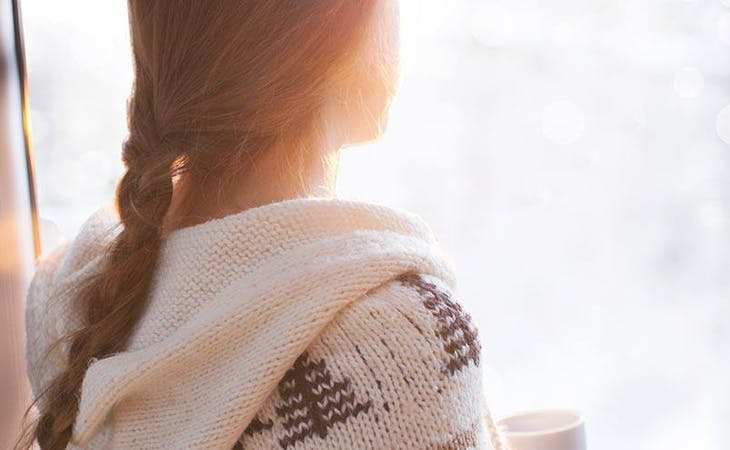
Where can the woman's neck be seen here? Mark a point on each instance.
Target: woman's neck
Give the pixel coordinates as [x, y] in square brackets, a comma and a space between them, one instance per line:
[276, 175]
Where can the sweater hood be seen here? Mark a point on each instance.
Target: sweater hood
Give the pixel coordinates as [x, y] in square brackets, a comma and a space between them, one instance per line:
[234, 302]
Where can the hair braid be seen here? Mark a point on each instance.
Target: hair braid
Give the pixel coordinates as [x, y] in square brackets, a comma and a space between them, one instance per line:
[115, 299]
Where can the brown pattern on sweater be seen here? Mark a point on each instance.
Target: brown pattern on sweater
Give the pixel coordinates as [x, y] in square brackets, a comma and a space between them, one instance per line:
[456, 329]
[256, 426]
[312, 402]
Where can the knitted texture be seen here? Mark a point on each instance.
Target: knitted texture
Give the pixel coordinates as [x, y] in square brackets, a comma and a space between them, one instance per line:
[307, 323]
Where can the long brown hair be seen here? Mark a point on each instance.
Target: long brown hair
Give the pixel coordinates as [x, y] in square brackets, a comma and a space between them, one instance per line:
[216, 83]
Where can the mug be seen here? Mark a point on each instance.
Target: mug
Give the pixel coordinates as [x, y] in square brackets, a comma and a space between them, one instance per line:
[544, 430]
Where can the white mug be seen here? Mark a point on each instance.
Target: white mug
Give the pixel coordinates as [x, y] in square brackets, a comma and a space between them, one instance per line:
[544, 430]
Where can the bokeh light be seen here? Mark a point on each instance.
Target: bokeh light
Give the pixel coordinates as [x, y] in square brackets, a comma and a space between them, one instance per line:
[563, 122]
[723, 29]
[493, 25]
[722, 124]
[688, 82]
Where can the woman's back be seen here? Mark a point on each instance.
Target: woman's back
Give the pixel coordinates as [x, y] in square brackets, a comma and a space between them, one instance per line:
[306, 323]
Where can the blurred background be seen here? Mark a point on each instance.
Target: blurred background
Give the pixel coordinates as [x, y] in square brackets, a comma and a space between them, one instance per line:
[573, 156]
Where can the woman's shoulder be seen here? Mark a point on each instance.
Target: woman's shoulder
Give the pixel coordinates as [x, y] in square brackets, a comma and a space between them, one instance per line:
[400, 365]
[419, 311]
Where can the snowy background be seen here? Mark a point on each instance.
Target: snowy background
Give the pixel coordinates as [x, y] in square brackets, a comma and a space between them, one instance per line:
[573, 156]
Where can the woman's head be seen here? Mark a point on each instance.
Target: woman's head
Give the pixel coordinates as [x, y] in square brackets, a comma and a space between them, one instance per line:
[238, 76]
[217, 84]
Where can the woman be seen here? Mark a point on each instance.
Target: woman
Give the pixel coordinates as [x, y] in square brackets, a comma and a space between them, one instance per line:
[231, 300]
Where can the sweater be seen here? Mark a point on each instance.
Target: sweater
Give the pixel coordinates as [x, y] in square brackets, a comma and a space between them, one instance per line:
[315, 323]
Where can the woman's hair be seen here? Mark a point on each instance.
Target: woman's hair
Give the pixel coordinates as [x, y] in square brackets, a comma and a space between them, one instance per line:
[216, 83]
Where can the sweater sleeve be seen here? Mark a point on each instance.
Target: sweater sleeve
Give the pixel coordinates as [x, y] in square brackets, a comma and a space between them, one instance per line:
[398, 369]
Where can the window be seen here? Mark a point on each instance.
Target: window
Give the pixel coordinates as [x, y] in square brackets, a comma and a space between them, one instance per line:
[573, 157]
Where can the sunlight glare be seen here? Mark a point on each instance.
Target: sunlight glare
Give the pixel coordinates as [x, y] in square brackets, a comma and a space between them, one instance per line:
[722, 125]
[563, 122]
[688, 82]
[723, 29]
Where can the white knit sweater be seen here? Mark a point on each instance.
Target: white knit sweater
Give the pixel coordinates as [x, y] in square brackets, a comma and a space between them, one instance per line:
[308, 323]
